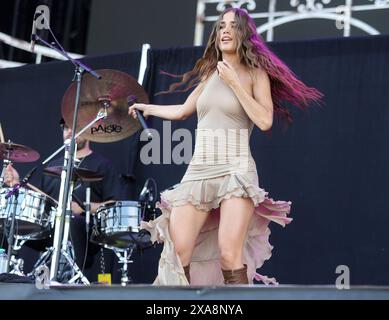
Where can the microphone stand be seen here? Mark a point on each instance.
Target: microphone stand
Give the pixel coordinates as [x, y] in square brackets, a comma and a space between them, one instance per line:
[69, 157]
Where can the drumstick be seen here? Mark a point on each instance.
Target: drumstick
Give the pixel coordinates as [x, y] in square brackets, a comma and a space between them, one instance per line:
[32, 187]
[2, 140]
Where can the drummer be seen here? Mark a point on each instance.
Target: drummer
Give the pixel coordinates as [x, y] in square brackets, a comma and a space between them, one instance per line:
[102, 192]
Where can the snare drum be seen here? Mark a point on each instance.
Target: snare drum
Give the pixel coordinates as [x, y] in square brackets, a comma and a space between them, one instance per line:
[34, 213]
[117, 224]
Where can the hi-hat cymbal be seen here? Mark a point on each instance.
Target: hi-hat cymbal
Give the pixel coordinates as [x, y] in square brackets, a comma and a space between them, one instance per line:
[17, 152]
[78, 173]
[114, 90]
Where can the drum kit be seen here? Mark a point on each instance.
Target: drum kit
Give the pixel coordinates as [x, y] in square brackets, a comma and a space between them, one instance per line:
[28, 213]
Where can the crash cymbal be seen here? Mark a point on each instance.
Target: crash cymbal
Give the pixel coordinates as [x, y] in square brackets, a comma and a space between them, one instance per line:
[113, 90]
[17, 152]
[78, 174]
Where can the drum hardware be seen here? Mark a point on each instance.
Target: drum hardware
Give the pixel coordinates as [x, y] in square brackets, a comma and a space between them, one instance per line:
[63, 213]
[16, 264]
[64, 208]
[34, 212]
[112, 93]
[116, 224]
[116, 227]
[109, 99]
[15, 193]
[124, 256]
[41, 262]
[9, 153]
[69, 273]
[34, 217]
[61, 242]
[61, 245]
[65, 252]
[87, 208]
[107, 96]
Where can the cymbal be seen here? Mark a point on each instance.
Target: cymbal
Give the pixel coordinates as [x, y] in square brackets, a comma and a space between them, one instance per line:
[78, 173]
[112, 90]
[17, 152]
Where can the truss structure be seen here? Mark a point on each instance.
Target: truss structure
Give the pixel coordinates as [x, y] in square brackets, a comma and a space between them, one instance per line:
[342, 15]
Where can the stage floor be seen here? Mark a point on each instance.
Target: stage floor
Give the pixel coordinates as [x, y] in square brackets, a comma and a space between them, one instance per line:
[18, 291]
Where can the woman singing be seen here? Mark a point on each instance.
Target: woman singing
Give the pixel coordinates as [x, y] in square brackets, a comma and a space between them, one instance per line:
[214, 224]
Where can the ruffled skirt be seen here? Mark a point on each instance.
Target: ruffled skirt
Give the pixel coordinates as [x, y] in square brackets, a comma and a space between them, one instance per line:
[207, 195]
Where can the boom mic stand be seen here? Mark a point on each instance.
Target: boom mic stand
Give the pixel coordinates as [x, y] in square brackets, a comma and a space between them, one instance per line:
[63, 209]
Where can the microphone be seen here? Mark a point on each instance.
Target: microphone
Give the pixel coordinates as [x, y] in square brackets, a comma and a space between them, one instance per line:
[33, 35]
[87, 208]
[28, 175]
[131, 100]
[144, 192]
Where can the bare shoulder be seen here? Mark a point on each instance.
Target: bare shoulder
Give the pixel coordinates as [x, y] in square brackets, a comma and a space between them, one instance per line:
[250, 78]
[259, 74]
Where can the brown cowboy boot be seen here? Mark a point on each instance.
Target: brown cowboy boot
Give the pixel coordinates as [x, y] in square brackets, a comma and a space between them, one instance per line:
[187, 272]
[237, 276]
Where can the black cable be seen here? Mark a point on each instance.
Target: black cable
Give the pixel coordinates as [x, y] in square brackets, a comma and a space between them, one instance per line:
[3, 237]
[82, 205]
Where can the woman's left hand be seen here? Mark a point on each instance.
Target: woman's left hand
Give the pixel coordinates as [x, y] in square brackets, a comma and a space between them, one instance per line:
[227, 73]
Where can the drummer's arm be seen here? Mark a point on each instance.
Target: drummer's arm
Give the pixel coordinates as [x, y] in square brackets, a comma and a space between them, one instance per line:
[76, 209]
[96, 205]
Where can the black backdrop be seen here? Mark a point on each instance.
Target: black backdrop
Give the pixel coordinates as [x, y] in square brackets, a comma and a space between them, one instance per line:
[331, 163]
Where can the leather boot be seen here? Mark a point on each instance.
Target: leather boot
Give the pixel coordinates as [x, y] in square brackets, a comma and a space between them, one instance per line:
[187, 272]
[237, 276]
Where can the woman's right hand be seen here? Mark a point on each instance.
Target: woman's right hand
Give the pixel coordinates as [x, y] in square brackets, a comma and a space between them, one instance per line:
[144, 108]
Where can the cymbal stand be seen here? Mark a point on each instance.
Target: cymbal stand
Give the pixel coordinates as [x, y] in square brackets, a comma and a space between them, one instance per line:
[70, 152]
[62, 248]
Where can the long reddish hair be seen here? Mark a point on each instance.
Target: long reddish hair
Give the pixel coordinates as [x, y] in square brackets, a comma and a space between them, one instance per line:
[253, 53]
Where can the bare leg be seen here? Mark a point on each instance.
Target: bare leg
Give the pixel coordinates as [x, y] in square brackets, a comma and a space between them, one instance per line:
[235, 216]
[184, 227]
